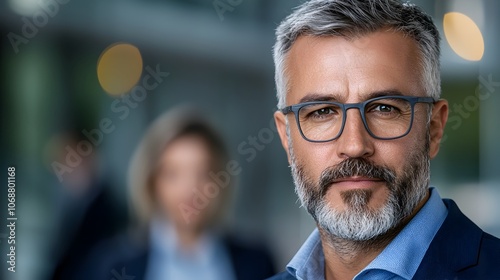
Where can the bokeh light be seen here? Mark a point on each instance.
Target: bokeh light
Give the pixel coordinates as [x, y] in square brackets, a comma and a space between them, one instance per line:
[463, 36]
[25, 7]
[119, 68]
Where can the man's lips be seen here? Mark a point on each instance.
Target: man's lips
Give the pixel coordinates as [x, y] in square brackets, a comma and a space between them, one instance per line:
[356, 182]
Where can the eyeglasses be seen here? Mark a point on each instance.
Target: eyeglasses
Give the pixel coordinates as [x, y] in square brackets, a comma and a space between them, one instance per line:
[385, 118]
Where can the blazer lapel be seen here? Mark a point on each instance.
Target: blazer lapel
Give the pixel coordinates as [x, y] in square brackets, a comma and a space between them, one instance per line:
[455, 246]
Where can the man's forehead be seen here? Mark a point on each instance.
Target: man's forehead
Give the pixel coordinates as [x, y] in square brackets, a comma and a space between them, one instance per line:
[342, 98]
[335, 68]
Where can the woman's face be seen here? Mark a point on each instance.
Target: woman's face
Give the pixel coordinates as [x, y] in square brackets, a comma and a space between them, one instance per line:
[183, 173]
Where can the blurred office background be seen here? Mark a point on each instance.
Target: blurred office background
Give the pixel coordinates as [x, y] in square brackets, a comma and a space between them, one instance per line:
[218, 57]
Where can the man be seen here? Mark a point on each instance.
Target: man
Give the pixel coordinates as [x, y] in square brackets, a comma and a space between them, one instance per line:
[360, 118]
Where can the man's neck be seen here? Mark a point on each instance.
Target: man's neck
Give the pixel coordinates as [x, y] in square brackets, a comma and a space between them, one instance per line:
[346, 258]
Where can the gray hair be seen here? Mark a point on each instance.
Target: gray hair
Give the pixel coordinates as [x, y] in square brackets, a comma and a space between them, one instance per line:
[354, 18]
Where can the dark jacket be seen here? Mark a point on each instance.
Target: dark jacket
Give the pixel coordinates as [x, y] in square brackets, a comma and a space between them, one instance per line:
[126, 258]
[460, 250]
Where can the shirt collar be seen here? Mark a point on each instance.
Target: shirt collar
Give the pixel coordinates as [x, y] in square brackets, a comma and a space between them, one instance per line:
[401, 257]
[309, 262]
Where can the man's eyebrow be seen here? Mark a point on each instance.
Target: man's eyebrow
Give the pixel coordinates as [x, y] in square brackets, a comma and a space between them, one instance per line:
[337, 98]
[310, 97]
[391, 92]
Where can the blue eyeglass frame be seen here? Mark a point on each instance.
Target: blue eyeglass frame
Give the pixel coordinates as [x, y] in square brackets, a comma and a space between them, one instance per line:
[361, 107]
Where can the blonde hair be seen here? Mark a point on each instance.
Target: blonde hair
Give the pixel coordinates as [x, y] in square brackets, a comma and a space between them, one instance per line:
[181, 121]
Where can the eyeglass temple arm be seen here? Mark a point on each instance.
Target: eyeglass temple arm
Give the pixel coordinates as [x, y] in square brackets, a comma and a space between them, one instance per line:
[427, 100]
[286, 110]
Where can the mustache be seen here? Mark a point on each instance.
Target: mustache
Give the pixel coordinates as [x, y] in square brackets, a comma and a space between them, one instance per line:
[355, 167]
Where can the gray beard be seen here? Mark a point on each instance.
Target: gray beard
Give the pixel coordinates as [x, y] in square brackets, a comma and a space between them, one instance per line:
[359, 222]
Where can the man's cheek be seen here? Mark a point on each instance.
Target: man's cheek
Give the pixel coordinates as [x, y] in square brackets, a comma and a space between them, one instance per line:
[313, 171]
[315, 161]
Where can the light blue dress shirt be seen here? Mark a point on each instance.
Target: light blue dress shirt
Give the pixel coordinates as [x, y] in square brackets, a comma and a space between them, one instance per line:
[208, 259]
[399, 260]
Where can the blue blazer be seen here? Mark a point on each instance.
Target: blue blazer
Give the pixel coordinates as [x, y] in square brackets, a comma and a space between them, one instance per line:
[460, 250]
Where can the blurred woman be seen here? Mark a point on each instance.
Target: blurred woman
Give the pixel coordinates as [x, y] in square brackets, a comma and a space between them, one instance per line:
[180, 207]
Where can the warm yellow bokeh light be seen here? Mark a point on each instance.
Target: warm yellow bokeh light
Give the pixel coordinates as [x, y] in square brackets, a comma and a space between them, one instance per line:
[463, 36]
[119, 68]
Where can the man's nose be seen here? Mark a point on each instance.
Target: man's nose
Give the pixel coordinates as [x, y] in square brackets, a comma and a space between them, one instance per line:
[355, 141]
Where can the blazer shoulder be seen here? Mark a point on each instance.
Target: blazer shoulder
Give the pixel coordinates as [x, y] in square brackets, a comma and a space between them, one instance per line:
[491, 240]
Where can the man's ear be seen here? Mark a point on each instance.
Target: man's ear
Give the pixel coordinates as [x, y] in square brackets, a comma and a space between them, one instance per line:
[437, 124]
[279, 119]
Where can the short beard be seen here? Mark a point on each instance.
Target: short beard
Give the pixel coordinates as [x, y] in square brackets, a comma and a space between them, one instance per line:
[359, 222]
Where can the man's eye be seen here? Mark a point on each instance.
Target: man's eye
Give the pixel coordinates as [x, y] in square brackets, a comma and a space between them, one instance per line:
[324, 111]
[320, 113]
[384, 108]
